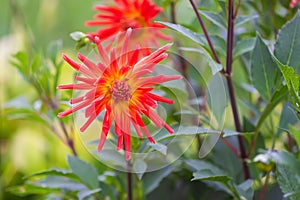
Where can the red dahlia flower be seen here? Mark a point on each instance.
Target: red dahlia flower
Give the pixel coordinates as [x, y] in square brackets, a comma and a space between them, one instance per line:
[293, 3]
[117, 85]
[135, 14]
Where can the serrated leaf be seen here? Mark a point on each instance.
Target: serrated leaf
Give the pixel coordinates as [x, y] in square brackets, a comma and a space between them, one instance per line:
[290, 77]
[287, 47]
[87, 173]
[263, 69]
[215, 67]
[289, 182]
[151, 180]
[215, 18]
[243, 46]
[87, 193]
[240, 20]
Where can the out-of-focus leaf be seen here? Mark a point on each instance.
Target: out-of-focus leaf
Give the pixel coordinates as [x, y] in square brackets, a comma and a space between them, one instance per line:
[263, 69]
[52, 50]
[287, 47]
[87, 173]
[62, 183]
[295, 133]
[277, 97]
[288, 117]
[245, 189]
[215, 67]
[87, 193]
[151, 180]
[289, 182]
[243, 46]
[217, 98]
[22, 63]
[53, 172]
[139, 167]
[29, 189]
[215, 18]
[242, 19]
[159, 147]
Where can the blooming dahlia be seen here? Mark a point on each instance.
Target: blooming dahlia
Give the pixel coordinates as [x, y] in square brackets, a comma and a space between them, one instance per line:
[118, 86]
[135, 14]
[293, 3]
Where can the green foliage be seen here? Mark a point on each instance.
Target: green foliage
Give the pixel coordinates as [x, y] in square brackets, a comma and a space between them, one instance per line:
[268, 102]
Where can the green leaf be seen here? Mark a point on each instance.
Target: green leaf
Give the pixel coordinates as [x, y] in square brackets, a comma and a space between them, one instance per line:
[277, 97]
[263, 69]
[209, 175]
[183, 130]
[139, 167]
[215, 67]
[151, 180]
[62, 183]
[288, 117]
[87, 193]
[217, 98]
[21, 62]
[293, 83]
[215, 18]
[159, 147]
[186, 32]
[52, 50]
[289, 182]
[296, 134]
[29, 189]
[229, 133]
[87, 173]
[240, 20]
[53, 172]
[287, 47]
[243, 46]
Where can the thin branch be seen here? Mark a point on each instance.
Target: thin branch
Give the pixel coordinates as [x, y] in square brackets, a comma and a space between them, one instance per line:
[211, 46]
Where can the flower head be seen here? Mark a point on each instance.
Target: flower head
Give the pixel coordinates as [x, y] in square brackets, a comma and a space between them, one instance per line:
[118, 86]
[293, 3]
[135, 14]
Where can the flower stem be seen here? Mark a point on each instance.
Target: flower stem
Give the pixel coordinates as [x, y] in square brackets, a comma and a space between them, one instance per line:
[238, 127]
[129, 181]
[264, 188]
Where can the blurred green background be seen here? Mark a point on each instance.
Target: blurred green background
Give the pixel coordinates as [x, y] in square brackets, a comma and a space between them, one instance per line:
[30, 25]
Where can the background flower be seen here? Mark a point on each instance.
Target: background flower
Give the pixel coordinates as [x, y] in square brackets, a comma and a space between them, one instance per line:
[138, 14]
[118, 86]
